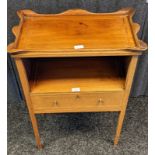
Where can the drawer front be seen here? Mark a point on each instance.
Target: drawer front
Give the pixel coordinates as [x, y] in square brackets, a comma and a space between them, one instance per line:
[75, 101]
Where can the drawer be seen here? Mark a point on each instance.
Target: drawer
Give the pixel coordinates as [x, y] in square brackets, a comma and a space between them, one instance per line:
[74, 102]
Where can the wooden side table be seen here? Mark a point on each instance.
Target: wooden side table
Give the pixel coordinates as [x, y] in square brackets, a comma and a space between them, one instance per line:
[76, 61]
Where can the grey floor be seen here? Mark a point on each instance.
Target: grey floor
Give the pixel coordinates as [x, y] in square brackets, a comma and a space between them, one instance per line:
[79, 133]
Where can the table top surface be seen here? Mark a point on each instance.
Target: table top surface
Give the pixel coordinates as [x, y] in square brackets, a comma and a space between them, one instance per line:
[76, 30]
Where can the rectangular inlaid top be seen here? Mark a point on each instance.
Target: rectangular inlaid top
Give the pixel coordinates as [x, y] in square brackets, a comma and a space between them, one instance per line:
[75, 31]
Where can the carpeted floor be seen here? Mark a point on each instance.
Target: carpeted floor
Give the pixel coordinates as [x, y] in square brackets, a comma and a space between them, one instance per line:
[79, 133]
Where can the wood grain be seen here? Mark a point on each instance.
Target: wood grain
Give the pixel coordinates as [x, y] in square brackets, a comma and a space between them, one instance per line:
[129, 79]
[50, 67]
[95, 31]
[61, 75]
[25, 86]
[77, 102]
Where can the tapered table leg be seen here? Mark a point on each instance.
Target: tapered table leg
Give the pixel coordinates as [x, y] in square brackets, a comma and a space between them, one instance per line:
[119, 127]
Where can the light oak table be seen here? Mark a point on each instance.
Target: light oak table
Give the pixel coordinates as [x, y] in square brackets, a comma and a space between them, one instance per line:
[76, 61]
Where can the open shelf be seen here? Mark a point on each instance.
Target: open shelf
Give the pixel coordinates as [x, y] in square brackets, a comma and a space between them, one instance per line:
[60, 75]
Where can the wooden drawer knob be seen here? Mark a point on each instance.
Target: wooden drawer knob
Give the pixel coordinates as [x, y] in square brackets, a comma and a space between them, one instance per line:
[77, 97]
[55, 103]
[100, 101]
